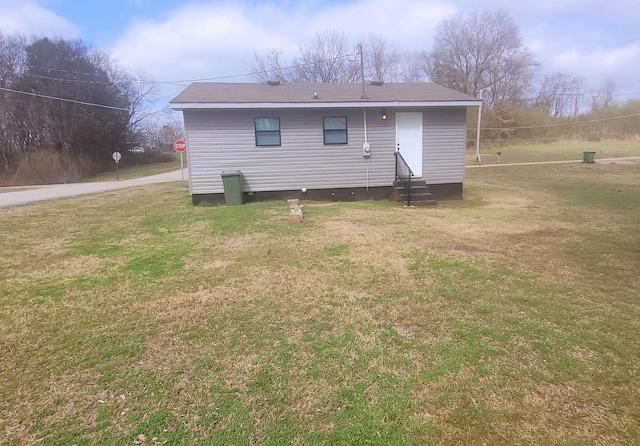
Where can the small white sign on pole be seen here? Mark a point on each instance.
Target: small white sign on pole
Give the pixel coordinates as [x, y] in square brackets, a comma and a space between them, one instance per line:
[116, 157]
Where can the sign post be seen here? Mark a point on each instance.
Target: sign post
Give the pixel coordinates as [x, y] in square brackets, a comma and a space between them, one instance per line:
[180, 146]
[116, 157]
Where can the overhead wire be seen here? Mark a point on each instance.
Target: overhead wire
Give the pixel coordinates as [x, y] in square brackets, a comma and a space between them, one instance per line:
[184, 82]
[74, 81]
[173, 82]
[229, 76]
[561, 124]
[253, 73]
[63, 99]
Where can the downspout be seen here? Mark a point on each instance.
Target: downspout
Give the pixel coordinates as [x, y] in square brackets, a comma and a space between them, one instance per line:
[364, 117]
[186, 137]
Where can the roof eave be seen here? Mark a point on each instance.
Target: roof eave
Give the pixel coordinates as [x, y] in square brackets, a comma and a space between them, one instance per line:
[355, 104]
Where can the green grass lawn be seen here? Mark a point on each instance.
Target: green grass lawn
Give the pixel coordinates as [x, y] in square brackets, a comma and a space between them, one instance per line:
[560, 151]
[511, 317]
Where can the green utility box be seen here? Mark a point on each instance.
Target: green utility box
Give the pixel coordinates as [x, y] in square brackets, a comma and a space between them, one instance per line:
[588, 157]
[232, 182]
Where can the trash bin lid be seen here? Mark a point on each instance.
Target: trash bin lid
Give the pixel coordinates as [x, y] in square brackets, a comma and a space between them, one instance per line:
[231, 173]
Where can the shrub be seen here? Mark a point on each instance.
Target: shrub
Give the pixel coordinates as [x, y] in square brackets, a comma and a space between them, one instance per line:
[50, 167]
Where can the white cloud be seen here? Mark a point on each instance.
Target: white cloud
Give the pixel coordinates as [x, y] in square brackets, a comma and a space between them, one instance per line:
[194, 41]
[589, 49]
[213, 40]
[210, 40]
[621, 64]
[407, 23]
[216, 38]
[28, 18]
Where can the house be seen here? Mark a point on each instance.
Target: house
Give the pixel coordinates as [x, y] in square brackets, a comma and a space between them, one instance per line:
[323, 141]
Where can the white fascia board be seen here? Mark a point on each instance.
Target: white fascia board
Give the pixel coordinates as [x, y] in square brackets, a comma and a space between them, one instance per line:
[272, 105]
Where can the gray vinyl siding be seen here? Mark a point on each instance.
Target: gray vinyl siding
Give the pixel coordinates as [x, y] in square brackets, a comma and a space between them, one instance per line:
[220, 140]
[444, 135]
[225, 140]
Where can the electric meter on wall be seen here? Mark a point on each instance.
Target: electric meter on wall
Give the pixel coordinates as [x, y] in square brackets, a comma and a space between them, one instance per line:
[366, 149]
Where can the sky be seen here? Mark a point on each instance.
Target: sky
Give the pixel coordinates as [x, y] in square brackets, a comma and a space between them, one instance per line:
[175, 42]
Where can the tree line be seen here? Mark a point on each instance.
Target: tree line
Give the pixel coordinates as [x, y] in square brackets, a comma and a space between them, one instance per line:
[65, 107]
[481, 54]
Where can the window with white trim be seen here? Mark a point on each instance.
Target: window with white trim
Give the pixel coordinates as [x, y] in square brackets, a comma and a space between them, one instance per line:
[267, 131]
[334, 129]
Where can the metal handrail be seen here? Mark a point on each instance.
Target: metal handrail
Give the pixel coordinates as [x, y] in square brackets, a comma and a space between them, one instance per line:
[404, 163]
[401, 164]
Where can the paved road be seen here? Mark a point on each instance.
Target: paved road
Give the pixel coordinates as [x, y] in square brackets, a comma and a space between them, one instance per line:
[41, 193]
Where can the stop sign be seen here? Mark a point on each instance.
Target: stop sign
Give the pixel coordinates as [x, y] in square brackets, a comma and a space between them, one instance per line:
[180, 145]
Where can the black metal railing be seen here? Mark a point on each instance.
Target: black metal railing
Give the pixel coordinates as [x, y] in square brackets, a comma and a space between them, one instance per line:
[404, 174]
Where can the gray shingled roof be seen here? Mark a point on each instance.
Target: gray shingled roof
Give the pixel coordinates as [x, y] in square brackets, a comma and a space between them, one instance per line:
[290, 93]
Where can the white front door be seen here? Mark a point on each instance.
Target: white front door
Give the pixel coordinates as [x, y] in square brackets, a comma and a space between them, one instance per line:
[409, 140]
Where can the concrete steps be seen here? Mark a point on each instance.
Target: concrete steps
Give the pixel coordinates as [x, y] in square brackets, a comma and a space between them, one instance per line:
[420, 195]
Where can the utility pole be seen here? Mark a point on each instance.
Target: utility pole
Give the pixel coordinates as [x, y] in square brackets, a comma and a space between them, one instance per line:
[364, 95]
[478, 159]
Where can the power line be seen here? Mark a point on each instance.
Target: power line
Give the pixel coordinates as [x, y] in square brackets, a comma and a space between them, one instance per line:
[583, 98]
[621, 94]
[64, 99]
[331, 59]
[562, 124]
[511, 139]
[179, 82]
[173, 82]
[77, 72]
[104, 77]
[73, 81]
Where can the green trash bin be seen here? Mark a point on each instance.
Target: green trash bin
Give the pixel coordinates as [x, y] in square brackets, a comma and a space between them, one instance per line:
[588, 157]
[232, 182]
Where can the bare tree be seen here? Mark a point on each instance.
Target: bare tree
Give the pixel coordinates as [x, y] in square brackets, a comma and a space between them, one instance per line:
[382, 61]
[269, 67]
[327, 58]
[413, 67]
[64, 69]
[171, 132]
[69, 100]
[603, 96]
[482, 52]
[162, 134]
[560, 95]
[12, 57]
[330, 57]
[138, 91]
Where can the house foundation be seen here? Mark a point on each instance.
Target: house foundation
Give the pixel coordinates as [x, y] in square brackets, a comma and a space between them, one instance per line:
[440, 192]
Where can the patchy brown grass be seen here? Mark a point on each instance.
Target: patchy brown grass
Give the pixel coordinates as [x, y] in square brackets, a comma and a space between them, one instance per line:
[508, 318]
